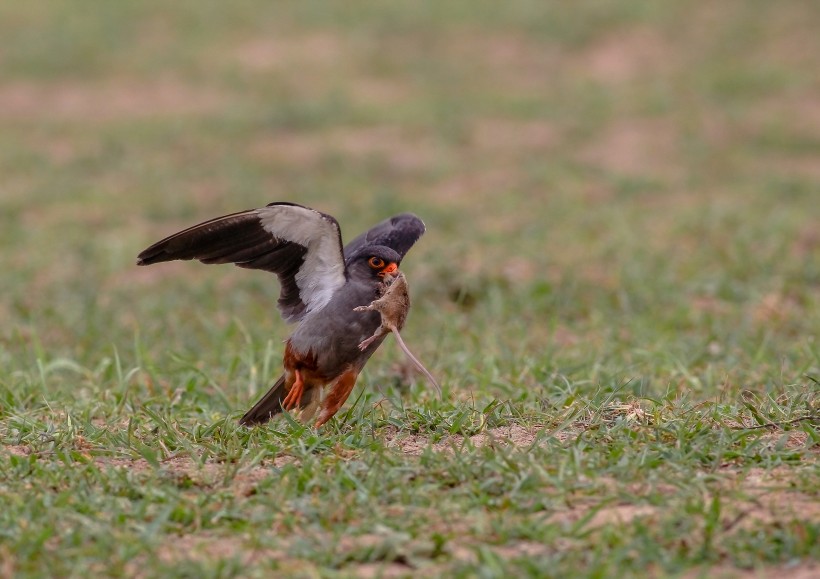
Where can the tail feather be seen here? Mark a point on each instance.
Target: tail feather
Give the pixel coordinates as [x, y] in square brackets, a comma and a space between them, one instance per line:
[271, 404]
[268, 406]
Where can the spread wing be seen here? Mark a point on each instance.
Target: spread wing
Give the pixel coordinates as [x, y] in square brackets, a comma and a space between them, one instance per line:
[399, 233]
[302, 246]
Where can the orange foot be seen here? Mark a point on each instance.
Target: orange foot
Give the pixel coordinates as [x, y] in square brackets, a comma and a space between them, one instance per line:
[294, 397]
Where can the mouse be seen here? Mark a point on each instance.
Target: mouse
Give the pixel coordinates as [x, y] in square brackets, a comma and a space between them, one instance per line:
[393, 305]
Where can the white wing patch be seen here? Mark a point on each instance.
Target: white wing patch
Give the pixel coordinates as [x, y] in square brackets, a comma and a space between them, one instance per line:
[323, 271]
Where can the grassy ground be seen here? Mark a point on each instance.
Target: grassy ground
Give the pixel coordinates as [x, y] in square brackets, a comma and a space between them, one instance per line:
[619, 288]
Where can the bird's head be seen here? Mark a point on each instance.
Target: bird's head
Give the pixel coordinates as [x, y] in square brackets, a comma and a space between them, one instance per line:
[375, 262]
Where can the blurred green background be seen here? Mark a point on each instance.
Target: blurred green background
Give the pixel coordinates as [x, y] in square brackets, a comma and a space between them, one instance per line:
[621, 196]
[609, 177]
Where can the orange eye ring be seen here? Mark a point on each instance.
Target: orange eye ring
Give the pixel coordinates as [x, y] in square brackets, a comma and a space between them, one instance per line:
[375, 262]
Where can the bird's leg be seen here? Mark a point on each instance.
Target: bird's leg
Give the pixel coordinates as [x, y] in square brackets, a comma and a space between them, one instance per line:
[294, 396]
[337, 395]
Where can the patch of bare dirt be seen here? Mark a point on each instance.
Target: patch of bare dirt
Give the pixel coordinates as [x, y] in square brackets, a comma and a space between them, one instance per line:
[514, 137]
[104, 101]
[795, 439]
[372, 91]
[399, 548]
[271, 52]
[404, 151]
[243, 482]
[706, 304]
[8, 565]
[62, 149]
[789, 167]
[636, 147]
[761, 497]
[609, 515]
[516, 61]
[15, 450]
[246, 480]
[775, 307]
[807, 242]
[624, 56]
[794, 112]
[479, 185]
[206, 546]
[800, 571]
[306, 62]
[515, 435]
[770, 497]
[385, 571]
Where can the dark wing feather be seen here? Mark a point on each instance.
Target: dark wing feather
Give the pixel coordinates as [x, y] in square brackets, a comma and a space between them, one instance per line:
[399, 233]
[229, 239]
[300, 245]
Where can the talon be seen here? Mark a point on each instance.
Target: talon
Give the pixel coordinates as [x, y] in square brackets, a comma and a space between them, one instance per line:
[294, 397]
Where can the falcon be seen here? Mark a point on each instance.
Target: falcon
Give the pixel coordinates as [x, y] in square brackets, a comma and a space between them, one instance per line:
[321, 285]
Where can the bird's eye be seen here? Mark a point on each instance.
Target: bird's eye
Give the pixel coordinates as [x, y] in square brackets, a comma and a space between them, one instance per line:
[376, 262]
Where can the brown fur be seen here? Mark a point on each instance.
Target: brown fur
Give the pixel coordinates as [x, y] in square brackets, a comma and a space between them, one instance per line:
[394, 305]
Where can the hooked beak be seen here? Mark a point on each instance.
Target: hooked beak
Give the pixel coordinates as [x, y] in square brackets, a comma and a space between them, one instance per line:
[389, 270]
